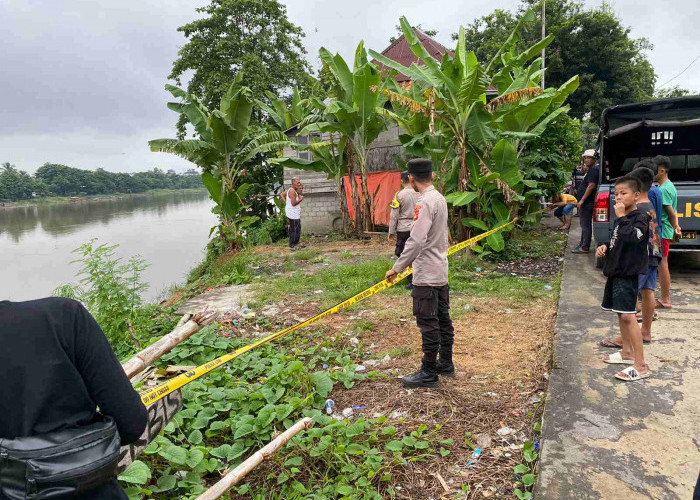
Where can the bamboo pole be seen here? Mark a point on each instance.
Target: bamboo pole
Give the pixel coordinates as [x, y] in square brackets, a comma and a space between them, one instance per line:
[143, 359]
[234, 476]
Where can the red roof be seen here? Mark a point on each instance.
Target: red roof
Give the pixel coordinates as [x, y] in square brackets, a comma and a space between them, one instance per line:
[400, 52]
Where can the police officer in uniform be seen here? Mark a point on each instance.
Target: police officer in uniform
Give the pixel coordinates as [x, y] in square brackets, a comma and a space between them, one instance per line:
[426, 252]
[401, 221]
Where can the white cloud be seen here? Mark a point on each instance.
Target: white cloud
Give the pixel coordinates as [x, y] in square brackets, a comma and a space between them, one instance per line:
[82, 81]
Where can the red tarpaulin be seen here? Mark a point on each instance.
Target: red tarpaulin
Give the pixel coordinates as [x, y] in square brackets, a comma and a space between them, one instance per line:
[389, 183]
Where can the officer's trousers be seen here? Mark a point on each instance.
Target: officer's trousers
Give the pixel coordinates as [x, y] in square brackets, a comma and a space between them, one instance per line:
[431, 307]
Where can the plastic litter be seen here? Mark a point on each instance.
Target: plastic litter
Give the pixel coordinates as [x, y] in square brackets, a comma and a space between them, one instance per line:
[547, 287]
[386, 358]
[535, 400]
[360, 368]
[478, 269]
[536, 445]
[318, 291]
[354, 341]
[325, 366]
[359, 407]
[347, 412]
[475, 456]
[504, 431]
[329, 406]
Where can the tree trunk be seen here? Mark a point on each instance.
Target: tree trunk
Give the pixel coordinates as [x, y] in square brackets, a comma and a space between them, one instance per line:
[343, 200]
[463, 184]
[357, 206]
[366, 200]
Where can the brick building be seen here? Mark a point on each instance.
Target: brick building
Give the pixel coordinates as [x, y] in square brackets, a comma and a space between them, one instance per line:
[320, 211]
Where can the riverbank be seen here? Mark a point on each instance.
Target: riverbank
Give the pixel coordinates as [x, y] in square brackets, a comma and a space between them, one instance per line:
[57, 200]
[381, 440]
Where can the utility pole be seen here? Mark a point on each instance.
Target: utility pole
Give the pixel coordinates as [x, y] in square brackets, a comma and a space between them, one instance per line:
[544, 34]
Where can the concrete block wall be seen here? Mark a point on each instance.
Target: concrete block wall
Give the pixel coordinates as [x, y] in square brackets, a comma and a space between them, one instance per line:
[320, 210]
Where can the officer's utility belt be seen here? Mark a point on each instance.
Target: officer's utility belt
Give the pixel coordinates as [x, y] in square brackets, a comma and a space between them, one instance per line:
[59, 464]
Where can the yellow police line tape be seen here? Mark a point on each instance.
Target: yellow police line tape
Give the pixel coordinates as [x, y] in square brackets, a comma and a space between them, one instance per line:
[150, 396]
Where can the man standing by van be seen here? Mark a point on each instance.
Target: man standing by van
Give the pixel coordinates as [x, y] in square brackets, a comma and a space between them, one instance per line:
[586, 198]
[669, 226]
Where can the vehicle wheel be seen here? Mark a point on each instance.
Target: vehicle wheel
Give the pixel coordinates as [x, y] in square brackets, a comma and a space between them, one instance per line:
[599, 262]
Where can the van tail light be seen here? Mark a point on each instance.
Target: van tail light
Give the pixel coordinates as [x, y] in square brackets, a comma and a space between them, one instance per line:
[601, 212]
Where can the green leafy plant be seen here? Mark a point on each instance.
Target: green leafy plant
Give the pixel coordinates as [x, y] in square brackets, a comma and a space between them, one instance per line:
[111, 290]
[477, 142]
[224, 147]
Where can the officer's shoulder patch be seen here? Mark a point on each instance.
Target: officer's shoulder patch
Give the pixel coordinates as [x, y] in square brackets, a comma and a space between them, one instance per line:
[416, 211]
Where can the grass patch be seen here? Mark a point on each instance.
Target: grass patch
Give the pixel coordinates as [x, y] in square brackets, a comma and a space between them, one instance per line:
[396, 352]
[505, 287]
[338, 283]
[531, 242]
[225, 270]
[303, 255]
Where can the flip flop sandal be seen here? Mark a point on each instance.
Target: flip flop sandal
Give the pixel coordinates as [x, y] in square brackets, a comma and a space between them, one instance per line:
[630, 374]
[610, 343]
[616, 359]
[659, 305]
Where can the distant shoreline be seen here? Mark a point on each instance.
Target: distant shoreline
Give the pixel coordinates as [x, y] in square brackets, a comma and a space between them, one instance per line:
[57, 200]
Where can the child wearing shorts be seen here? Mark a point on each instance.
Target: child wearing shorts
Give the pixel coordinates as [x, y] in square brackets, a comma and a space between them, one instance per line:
[626, 257]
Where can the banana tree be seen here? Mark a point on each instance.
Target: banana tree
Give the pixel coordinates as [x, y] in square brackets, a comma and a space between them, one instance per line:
[222, 149]
[283, 116]
[479, 138]
[354, 114]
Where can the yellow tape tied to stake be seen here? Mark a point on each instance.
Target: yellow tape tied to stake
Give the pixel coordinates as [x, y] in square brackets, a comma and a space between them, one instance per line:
[150, 396]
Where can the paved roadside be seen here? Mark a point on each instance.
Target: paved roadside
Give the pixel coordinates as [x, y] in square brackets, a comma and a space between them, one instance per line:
[607, 439]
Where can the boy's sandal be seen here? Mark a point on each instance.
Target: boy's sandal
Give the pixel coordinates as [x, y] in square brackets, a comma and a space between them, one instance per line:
[616, 359]
[661, 305]
[630, 374]
[610, 343]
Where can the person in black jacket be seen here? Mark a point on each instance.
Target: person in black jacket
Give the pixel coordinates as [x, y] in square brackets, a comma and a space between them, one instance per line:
[626, 257]
[56, 368]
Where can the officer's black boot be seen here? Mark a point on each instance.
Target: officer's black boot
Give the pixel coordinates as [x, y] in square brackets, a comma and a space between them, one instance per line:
[425, 377]
[445, 366]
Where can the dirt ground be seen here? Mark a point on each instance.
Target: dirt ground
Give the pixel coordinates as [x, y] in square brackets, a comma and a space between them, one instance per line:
[502, 355]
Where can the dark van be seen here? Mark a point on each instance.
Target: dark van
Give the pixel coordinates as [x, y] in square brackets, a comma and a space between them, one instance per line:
[632, 132]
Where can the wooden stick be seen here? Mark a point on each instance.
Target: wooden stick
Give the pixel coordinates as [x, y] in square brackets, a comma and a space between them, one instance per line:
[143, 359]
[234, 476]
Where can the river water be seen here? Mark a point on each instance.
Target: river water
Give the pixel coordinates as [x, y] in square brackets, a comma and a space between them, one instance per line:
[169, 231]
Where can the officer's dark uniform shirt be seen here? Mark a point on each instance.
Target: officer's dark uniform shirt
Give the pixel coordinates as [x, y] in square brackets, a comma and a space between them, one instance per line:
[56, 367]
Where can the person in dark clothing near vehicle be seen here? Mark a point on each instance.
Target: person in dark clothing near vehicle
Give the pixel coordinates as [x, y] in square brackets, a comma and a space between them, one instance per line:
[426, 252]
[401, 220]
[56, 368]
[649, 203]
[586, 198]
[626, 257]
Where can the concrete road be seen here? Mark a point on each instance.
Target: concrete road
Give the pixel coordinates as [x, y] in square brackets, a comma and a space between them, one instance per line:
[607, 439]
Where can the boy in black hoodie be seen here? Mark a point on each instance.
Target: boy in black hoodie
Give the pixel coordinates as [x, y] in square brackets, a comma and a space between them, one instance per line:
[626, 257]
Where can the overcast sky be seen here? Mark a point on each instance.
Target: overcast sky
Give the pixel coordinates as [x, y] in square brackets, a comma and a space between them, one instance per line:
[81, 82]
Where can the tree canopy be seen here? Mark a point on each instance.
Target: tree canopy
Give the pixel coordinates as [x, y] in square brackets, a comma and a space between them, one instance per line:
[60, 180]
[593, 43]
[251, 37]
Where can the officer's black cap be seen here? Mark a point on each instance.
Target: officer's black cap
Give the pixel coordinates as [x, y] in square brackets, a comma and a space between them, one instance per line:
[420, 167]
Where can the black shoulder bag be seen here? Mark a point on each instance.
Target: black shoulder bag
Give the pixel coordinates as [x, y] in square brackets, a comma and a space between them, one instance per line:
[61, 463]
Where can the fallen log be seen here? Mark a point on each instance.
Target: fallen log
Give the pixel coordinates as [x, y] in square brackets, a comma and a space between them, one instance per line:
[233, 477]
[165, 344]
